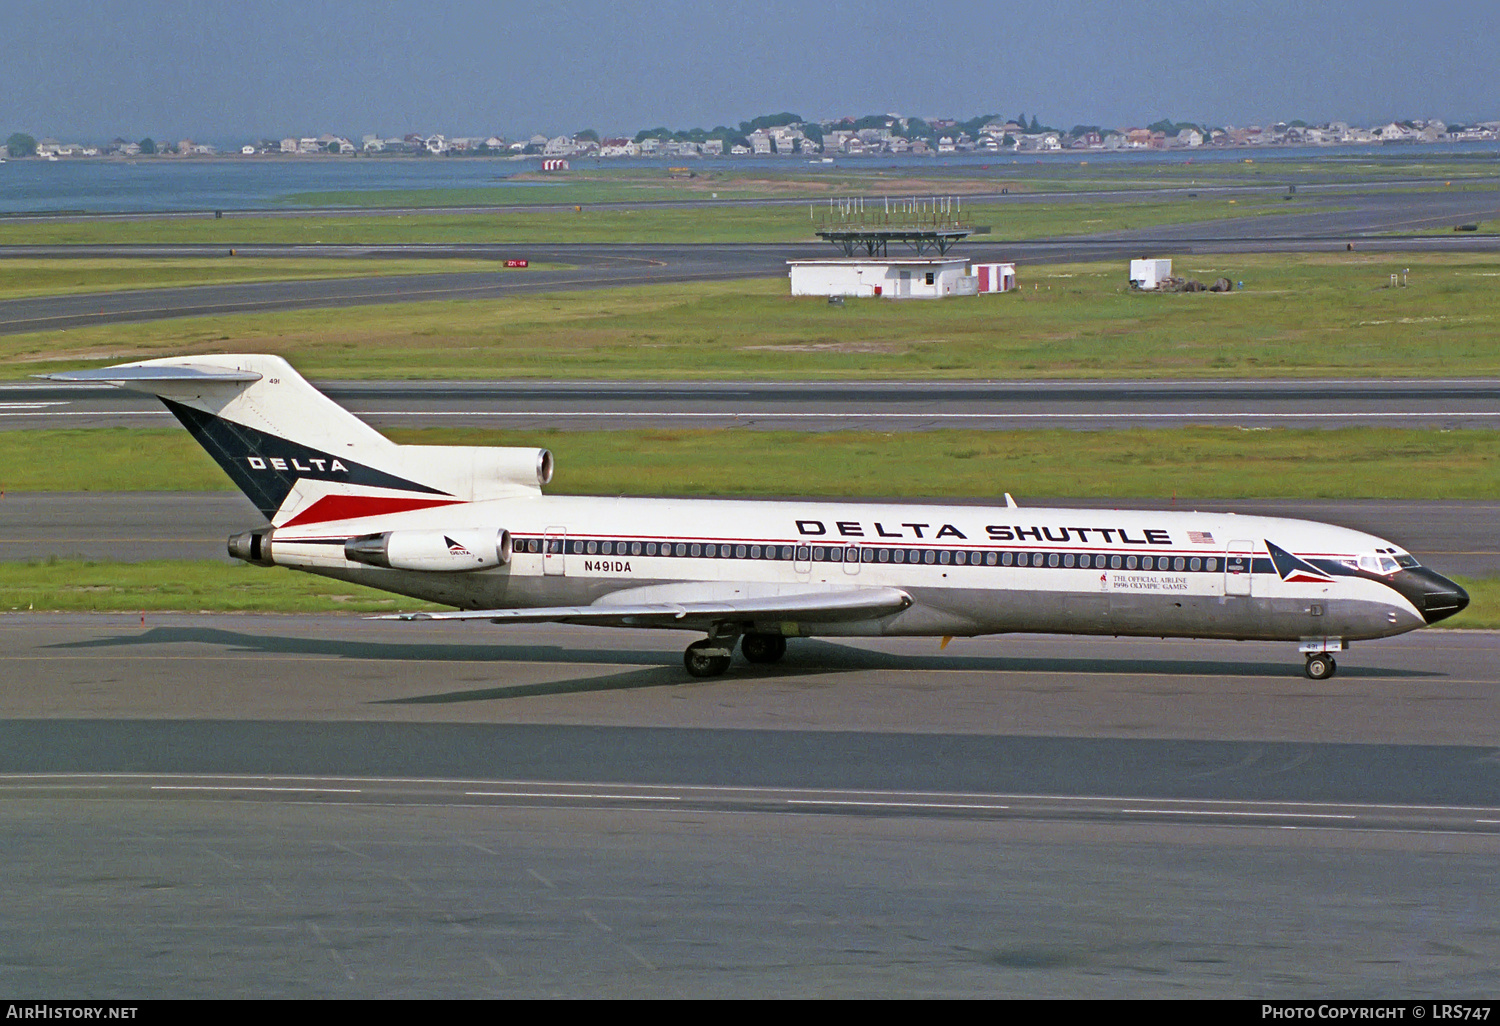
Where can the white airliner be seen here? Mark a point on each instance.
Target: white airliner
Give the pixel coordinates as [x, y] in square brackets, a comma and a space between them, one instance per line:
[469, 527]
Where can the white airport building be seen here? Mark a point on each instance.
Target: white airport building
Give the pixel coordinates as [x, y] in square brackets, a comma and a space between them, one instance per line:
[914, 278]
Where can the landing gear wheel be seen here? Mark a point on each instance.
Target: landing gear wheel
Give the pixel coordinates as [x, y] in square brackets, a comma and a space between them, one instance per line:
[702, 663]
[763, 648]
[1320, 666]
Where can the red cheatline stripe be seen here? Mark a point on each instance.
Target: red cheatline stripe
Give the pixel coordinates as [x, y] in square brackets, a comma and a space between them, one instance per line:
[352, 507]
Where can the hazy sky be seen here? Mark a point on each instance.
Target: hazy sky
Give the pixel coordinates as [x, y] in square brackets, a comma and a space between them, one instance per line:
[231, 69]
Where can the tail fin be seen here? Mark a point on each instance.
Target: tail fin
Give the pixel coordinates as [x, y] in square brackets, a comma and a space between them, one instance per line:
[302, 458]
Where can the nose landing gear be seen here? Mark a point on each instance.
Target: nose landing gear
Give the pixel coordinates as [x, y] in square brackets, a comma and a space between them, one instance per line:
[1320, 666]
[1319, 652]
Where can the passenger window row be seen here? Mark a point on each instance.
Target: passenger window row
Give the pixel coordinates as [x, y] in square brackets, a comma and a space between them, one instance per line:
[840, 554]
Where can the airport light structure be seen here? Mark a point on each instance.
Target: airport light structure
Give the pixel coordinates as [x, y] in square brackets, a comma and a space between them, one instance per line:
[926, 225]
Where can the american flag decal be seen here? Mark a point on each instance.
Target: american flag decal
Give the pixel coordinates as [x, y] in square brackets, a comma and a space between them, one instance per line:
[1200, 538]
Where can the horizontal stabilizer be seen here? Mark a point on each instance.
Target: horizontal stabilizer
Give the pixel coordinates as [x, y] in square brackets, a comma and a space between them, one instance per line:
[147, 375]
[809, 607]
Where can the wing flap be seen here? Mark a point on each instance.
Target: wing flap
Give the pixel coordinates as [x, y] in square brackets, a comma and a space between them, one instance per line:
[814, 607]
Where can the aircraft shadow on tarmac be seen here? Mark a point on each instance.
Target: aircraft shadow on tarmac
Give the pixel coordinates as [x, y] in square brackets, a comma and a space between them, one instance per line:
[806, 657]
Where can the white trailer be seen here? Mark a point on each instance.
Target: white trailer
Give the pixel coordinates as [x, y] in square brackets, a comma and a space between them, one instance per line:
[1149, 274]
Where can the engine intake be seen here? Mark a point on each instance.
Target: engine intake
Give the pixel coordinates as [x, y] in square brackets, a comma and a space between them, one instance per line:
[441, 551]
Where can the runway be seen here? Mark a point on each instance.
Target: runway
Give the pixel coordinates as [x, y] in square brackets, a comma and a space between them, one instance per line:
[327, 806]
[829, 406]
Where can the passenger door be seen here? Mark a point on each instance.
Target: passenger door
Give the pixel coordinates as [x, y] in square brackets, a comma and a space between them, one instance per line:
[554, 552]
[1237, 563]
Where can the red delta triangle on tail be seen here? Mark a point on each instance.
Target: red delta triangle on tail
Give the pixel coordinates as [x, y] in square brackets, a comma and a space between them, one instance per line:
[353, 507]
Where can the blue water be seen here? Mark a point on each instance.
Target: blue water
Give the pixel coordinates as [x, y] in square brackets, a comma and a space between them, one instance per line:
[164, 184]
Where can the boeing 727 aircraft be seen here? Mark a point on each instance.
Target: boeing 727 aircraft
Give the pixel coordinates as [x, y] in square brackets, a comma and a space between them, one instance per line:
[470, 527]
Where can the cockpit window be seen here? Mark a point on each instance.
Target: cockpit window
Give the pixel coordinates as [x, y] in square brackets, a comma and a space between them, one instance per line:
[1407, 561]
[1378, 564]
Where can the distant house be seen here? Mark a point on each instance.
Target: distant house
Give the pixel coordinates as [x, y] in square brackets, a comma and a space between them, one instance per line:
[785, 139]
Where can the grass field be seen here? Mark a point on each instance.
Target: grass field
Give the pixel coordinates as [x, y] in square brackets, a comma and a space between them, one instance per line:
[1190, 463]
[56, 585]
[21, 278]
[1055, 174]
[182, 585]
[704, 223]
[1309, 315]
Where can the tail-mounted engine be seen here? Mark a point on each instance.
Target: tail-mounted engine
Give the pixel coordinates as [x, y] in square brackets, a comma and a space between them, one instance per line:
[253, 546]
[443, 551]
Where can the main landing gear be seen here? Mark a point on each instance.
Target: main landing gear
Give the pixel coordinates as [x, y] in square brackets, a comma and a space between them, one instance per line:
[763, 648]
[710, 657]
[1320, 666]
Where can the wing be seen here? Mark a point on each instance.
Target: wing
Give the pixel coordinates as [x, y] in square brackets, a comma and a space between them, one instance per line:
[832, 606]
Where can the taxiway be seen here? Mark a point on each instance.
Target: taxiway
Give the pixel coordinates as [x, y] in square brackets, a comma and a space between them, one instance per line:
[334, 807]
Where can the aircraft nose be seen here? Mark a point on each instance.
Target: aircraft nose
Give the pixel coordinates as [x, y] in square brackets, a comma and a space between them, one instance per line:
[1440, 598]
